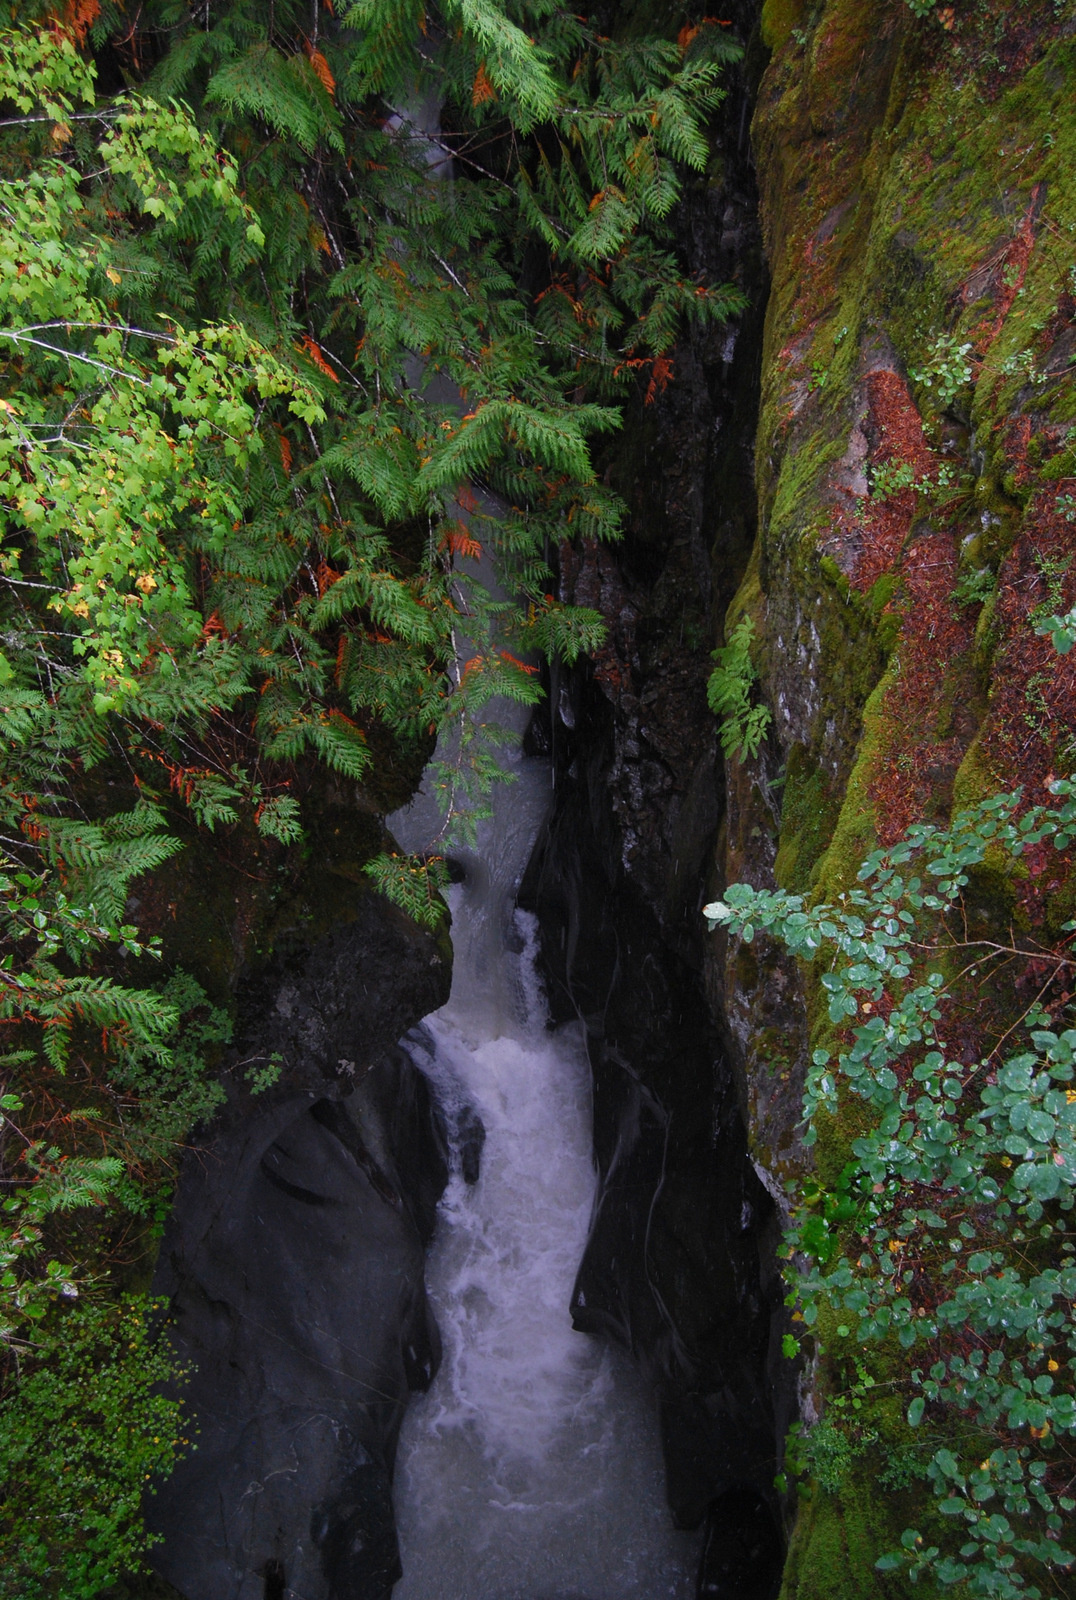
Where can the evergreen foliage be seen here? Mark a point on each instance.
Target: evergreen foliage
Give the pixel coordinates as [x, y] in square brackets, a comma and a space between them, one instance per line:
[276, 398]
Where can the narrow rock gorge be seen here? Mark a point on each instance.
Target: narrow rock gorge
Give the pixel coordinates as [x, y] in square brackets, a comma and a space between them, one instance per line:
[477, 1265]
[301, 1375]
[866, 187]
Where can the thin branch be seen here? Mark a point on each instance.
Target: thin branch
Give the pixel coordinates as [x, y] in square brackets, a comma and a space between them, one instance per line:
[67, 116]
[76, 355]
[1021, 1017]
[109, 327]
[452, 275]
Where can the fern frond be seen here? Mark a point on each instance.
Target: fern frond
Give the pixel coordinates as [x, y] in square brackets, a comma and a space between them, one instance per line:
[413, 883]
[340, 744]
[284, 90]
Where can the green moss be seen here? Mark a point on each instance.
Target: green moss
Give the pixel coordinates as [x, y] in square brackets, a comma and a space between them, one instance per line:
[1061, 907]
[835, 1132]
[855, 834]
[748, 599]
[975, 780]
[832, 572]
[797, 497]
[808, 816]
[986, 636]
[880, 593]
[779, 17]
[872, 1490]
[837, 1539]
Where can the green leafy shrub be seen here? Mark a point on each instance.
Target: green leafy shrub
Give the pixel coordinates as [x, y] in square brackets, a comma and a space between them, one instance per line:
[828, 1453]
[84, 1434]
[949, 1237]
[975, 586]
[83, 1424]
[1061, 629]
[948, 369]
[172, 1087]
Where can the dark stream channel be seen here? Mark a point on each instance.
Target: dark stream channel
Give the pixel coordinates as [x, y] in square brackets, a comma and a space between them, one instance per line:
[642, 1329]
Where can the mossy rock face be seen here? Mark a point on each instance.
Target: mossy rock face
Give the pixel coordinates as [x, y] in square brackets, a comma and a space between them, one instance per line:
[808, 815]
[912, 463]
[779, 17]
[839, 1537]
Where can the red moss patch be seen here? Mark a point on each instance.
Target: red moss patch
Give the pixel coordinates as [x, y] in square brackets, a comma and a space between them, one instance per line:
[896, 430]
[926, 740]
[1002, 277]
[1032, 719]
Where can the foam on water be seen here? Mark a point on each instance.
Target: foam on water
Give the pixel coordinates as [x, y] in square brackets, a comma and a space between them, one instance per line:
[532, 1469]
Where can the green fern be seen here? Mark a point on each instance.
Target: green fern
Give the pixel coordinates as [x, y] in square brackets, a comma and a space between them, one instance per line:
[284, 90]
[728, 694]
[413, 883]
[278, 818]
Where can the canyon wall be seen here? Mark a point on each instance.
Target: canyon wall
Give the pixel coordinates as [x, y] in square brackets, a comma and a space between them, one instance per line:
[680, 1266]
[292, 1263]
[912, 460]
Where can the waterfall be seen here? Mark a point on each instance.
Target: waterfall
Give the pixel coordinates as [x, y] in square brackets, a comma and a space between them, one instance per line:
[532, 1468]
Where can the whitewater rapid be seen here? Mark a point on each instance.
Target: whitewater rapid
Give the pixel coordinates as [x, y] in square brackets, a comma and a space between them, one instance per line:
[532, 1468]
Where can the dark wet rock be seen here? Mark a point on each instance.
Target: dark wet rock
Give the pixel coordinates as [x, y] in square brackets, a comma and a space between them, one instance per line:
[744, 1550]
[676, 1263]
[470, 1142]
[293, 1264]
[325, 1010]
[680, 1262]
[276, 1580]
[356, 1536]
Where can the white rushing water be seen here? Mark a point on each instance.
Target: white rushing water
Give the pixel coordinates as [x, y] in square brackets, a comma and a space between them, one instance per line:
[532, 1468]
